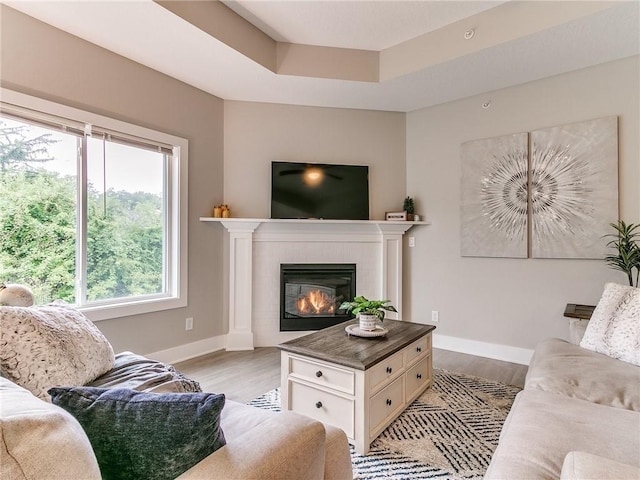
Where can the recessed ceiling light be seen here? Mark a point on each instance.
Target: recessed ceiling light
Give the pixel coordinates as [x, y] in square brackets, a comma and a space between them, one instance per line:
[468, 35]
[486, 104]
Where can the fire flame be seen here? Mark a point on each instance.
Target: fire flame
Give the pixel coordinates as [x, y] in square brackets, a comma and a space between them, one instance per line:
[316, 301]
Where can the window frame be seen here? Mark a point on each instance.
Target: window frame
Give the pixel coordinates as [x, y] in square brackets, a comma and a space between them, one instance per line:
[176, 200]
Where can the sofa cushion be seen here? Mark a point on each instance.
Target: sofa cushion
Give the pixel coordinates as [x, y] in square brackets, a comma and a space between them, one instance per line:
[581, 466]
[145, 375]
[40, 440]
[145, 435]
[614, 328]
[561, 367]
[45, 346]
[241, 423]
[542, 428]
[264, 445]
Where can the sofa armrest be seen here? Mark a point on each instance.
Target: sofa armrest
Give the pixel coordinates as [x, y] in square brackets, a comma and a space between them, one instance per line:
[286, 446]
[582, 466]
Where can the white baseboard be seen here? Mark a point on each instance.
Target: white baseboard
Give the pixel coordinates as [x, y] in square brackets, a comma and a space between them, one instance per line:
[238, 341]
[496, 351]
[189, 350]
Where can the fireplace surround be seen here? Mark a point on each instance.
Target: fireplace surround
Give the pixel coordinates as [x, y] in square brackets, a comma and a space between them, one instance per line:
[256, 248]
[311, 294]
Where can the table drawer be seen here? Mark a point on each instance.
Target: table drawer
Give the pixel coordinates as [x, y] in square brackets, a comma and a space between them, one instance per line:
[418, 348]
[323, 406]
[417, 377]
[322, 374]
[385, 404]
[385, 370]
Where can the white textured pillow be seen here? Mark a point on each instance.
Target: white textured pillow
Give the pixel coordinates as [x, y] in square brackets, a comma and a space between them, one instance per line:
[614, 328]
[49, 346]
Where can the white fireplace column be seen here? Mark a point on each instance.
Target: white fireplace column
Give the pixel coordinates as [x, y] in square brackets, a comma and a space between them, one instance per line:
[240, 336]
[391, 281]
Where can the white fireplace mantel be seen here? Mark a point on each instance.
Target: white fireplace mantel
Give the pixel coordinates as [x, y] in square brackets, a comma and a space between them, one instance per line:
[243, 232]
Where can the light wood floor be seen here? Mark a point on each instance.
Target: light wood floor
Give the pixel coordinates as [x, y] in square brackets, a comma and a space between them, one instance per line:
[243, 376]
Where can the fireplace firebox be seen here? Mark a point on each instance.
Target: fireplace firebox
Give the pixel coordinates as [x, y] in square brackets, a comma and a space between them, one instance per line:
[311, 294]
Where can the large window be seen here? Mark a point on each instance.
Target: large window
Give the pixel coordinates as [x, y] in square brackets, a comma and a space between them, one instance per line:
[92, 210]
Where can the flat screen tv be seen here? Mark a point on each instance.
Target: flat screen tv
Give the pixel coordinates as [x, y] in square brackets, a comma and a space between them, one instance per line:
[313, 190]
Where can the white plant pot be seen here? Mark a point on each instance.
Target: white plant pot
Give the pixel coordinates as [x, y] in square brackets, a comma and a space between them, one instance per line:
[368, 322]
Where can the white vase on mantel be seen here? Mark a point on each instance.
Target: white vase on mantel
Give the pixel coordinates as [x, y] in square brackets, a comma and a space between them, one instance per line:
[368, 322]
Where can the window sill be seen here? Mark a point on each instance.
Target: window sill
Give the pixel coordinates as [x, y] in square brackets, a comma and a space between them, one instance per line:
[108, 312]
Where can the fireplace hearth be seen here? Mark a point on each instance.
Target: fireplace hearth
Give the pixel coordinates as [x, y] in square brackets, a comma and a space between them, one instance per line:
[311, 294]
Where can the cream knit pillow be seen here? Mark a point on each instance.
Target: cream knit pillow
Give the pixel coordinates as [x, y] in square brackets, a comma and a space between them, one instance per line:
[41, 440]
[614, 328]
[52, 345]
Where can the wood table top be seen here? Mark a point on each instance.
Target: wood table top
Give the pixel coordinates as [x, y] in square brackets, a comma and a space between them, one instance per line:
[334, 345]
[582, 312]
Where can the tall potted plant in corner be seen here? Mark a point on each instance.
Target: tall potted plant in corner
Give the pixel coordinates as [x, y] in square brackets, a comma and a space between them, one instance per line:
[409, 206]
[626, 257]
[368, 311]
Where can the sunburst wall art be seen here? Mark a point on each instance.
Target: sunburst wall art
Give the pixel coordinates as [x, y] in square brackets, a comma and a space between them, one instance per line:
[562, 194]
[494, 197]
[574, 188]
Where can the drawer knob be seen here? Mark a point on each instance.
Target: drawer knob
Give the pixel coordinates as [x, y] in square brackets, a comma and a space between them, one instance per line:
[419, 376]
[318, 404]
[389, 369]
[418, 349]
[389, 401]
[319, 373]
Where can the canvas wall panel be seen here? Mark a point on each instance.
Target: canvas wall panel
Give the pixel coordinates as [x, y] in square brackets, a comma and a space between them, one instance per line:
[574, 188]
[494, 197]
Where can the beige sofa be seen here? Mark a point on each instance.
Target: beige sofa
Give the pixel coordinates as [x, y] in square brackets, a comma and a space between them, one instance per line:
[577, 417]
[41, 440]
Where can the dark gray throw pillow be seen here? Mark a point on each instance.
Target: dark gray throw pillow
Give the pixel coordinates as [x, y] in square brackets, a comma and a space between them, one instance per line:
[138, 435]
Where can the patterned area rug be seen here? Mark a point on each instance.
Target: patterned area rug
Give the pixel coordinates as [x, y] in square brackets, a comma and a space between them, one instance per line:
[450, 432]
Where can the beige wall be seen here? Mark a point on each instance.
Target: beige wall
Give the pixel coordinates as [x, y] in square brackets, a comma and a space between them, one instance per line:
[509, 301]
[40, 60]
[257, 133]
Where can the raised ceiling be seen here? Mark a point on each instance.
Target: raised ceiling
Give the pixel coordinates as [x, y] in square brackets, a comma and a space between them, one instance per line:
[364, 25]
[381, 55]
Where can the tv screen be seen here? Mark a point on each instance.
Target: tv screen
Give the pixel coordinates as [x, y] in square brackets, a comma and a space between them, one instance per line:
[310, 190]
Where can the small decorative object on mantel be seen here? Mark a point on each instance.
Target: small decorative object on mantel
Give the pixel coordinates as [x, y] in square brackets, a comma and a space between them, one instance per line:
[368, 311]
[15, 295]
[221, 211]
[395, 216]
[409, 207]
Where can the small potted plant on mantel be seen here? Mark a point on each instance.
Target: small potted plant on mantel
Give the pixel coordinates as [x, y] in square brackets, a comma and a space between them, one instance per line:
[368, 311]
[409, 206]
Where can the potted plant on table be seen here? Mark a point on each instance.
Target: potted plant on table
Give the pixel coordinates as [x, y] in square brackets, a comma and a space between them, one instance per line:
[368, 311]
[627, 250]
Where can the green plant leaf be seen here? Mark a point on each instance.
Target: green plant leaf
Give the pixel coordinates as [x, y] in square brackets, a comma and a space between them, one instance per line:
[626, 257]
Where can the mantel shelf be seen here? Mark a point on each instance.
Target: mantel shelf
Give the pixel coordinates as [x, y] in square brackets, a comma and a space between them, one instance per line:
[312, 221]
[271, 226]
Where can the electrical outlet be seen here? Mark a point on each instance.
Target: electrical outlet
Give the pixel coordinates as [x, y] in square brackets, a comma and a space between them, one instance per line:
[435, 316]
[188, 324]
[412, 241]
